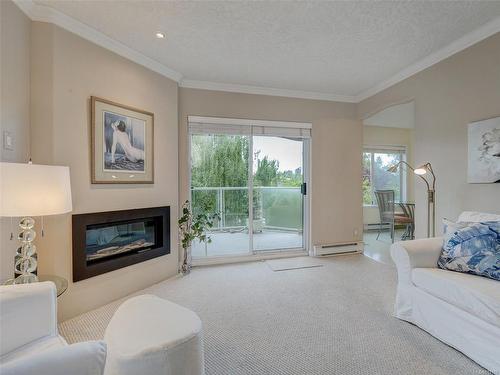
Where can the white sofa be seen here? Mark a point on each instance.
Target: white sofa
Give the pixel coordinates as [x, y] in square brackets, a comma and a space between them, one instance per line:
[147, 335]
[459, 309]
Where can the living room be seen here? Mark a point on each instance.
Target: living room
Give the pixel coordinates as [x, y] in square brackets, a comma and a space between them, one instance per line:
[259, 115]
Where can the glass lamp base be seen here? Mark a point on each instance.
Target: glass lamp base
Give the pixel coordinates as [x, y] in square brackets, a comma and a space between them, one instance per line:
[25, 262]
[26, 279]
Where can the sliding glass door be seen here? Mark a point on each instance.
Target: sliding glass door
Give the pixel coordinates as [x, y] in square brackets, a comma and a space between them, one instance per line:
[234, 168]
[278, 204]
[219, 183]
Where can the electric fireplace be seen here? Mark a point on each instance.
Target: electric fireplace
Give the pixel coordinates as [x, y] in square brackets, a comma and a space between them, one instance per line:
[106, 241]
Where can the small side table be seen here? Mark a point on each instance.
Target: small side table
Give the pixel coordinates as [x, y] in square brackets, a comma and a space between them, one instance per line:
[61, 282]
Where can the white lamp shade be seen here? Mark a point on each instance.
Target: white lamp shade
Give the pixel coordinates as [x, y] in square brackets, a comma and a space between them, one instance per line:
[34, 190]
[420, 171]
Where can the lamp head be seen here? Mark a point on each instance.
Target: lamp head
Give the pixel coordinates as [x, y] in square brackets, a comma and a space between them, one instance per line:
[393, 168]
[421, 170]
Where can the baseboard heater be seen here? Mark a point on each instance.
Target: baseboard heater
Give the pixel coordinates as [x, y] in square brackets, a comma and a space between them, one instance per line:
[376, 226]
[338, 249]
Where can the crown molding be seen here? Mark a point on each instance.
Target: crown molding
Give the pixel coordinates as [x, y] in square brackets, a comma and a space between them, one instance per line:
[257, 90]
[458, 45]
[43, 13]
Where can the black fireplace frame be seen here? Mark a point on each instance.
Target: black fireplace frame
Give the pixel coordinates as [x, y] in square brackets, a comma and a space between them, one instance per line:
[83, 270]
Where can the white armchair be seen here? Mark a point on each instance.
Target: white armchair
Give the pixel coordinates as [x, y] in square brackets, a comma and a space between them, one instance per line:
[28, 319]
[147, 335]
[28, 326]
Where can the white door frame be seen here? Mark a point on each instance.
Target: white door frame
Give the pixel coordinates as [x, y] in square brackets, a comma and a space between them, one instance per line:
[250, 195]
[307, 163]
[252, 255]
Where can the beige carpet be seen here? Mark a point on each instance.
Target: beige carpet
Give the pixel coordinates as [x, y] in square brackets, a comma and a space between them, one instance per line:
[334, 319]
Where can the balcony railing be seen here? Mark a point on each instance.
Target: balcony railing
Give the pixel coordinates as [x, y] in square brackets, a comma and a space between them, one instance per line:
[278, 208]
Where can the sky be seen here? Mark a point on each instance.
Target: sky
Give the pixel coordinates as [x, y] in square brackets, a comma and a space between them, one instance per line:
[286, 151]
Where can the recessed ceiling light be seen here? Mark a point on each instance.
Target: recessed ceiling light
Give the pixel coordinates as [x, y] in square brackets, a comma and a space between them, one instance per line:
[160, 35]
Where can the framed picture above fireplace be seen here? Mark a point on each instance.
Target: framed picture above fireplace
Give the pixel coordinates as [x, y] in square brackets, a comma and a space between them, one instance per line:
[107, 241]
[122, 143]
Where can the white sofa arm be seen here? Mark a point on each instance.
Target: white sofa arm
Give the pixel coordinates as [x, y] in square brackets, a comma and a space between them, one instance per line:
[84, 358]
[422, 253]
[27, 312]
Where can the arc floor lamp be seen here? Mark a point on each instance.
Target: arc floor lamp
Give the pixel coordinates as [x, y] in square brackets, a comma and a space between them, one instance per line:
[431, 192]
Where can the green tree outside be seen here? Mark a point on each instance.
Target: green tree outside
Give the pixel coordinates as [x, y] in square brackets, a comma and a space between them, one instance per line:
[222, 161]
[380, 179]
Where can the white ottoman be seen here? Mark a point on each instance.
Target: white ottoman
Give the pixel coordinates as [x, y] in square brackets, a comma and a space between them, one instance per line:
[152, 336]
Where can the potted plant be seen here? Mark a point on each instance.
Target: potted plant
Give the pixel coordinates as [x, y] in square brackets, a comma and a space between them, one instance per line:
[192, 227]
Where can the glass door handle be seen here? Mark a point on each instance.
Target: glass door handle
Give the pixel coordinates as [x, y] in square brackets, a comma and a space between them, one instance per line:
[303, 188]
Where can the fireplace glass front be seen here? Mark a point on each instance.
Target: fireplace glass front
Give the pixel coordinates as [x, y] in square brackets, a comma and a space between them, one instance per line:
[108, 240]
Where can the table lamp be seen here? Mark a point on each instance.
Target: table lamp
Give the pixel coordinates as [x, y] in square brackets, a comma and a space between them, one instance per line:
[28, 190]
[431, 192]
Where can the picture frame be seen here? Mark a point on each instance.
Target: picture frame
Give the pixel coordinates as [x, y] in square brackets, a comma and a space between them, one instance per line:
[122, 143]
[484, 151]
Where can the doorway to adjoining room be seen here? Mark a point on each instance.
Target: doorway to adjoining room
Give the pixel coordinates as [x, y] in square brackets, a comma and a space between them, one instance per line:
[388, 199]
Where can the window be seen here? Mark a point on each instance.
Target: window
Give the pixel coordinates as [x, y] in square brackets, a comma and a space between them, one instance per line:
[376, 161]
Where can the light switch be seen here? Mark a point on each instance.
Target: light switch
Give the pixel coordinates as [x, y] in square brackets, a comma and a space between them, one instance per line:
[8, 141]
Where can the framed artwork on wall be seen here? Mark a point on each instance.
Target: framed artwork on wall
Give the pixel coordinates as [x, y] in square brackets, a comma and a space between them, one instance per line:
[484, 151]
[122, 144]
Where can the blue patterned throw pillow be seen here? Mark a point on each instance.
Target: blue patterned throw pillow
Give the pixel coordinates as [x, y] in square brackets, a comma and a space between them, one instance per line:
[472, 248]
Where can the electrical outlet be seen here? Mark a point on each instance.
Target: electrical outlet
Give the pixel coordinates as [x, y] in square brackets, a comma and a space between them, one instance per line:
[8, 141]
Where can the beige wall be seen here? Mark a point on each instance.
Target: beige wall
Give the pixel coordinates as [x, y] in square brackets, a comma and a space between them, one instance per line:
[15, 80]
[67, 72]
[336, 151]
[388, 136]
[14, 108]
[449, 95]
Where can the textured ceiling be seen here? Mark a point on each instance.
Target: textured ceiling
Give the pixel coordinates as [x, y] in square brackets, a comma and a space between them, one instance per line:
[340, 48]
